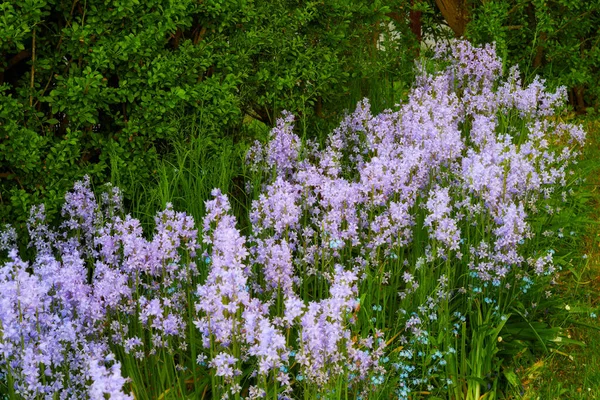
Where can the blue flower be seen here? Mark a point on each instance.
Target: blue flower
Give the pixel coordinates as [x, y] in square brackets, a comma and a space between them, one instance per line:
[334, 244]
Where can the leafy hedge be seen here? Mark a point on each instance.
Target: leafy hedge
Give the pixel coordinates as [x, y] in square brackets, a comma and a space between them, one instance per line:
[98, 86]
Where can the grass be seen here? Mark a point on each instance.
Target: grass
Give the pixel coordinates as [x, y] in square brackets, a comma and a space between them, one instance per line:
[573, 370]
[185, 177]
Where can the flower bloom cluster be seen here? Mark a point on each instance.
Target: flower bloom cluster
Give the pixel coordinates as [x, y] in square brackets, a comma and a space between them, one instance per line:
[430, 202]
[448, 150]
[50, 318]
[452, 177]
[239, 326]
[230, 316]
[94, 272]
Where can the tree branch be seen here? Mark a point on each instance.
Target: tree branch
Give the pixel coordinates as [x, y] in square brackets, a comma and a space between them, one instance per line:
[23, 54]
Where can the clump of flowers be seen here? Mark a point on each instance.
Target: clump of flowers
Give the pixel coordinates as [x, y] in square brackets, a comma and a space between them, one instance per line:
[233, 324]
[50, 317]
[94, 280]
[433, 201]
[392, 256]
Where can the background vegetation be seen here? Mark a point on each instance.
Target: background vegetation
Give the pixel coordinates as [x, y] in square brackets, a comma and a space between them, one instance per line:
[111, 88]
[92, 87]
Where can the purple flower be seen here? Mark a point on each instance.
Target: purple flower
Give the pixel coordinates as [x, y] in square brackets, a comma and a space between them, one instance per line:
[81, 212]
[8, 238]
[224, 297]
[284, 146]
[225, 365]
[444, 228]
[278, 209]
[106, 380]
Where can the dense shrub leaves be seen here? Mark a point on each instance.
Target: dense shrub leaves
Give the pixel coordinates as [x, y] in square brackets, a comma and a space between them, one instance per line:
[102, 87]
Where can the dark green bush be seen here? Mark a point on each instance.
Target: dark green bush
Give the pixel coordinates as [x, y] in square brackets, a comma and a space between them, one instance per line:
[98, 86]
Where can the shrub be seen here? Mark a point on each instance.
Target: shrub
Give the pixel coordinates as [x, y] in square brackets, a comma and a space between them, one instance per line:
[101, 88]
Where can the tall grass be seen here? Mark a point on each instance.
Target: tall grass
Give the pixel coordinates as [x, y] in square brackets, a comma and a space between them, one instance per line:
[568, 372]
[198, 162]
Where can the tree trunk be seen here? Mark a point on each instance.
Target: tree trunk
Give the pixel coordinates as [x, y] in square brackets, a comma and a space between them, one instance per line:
[416, 28]
[456, 14]
[579, 99]
[539, 54]
[415, 23]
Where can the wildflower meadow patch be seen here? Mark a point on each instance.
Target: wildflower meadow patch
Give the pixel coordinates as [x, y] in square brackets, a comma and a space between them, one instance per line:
[390, 262]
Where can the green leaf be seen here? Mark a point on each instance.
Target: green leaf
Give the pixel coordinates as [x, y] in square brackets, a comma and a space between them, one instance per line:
[511, 377]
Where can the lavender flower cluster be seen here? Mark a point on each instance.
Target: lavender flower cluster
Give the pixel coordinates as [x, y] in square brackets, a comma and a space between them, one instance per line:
[91, 278]
[447, 183]
[241, 321]
[448, 150]
[450, 180]
[51, 317]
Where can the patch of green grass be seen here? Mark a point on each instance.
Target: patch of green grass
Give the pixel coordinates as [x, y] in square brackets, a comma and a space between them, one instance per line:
[572, 371]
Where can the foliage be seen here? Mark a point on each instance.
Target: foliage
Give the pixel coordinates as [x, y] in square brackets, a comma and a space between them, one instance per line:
[558, 40]
[97, 86]
[566, 373]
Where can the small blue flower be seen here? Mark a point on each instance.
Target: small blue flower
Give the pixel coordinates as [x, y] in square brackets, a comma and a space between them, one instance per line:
[334, 244]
